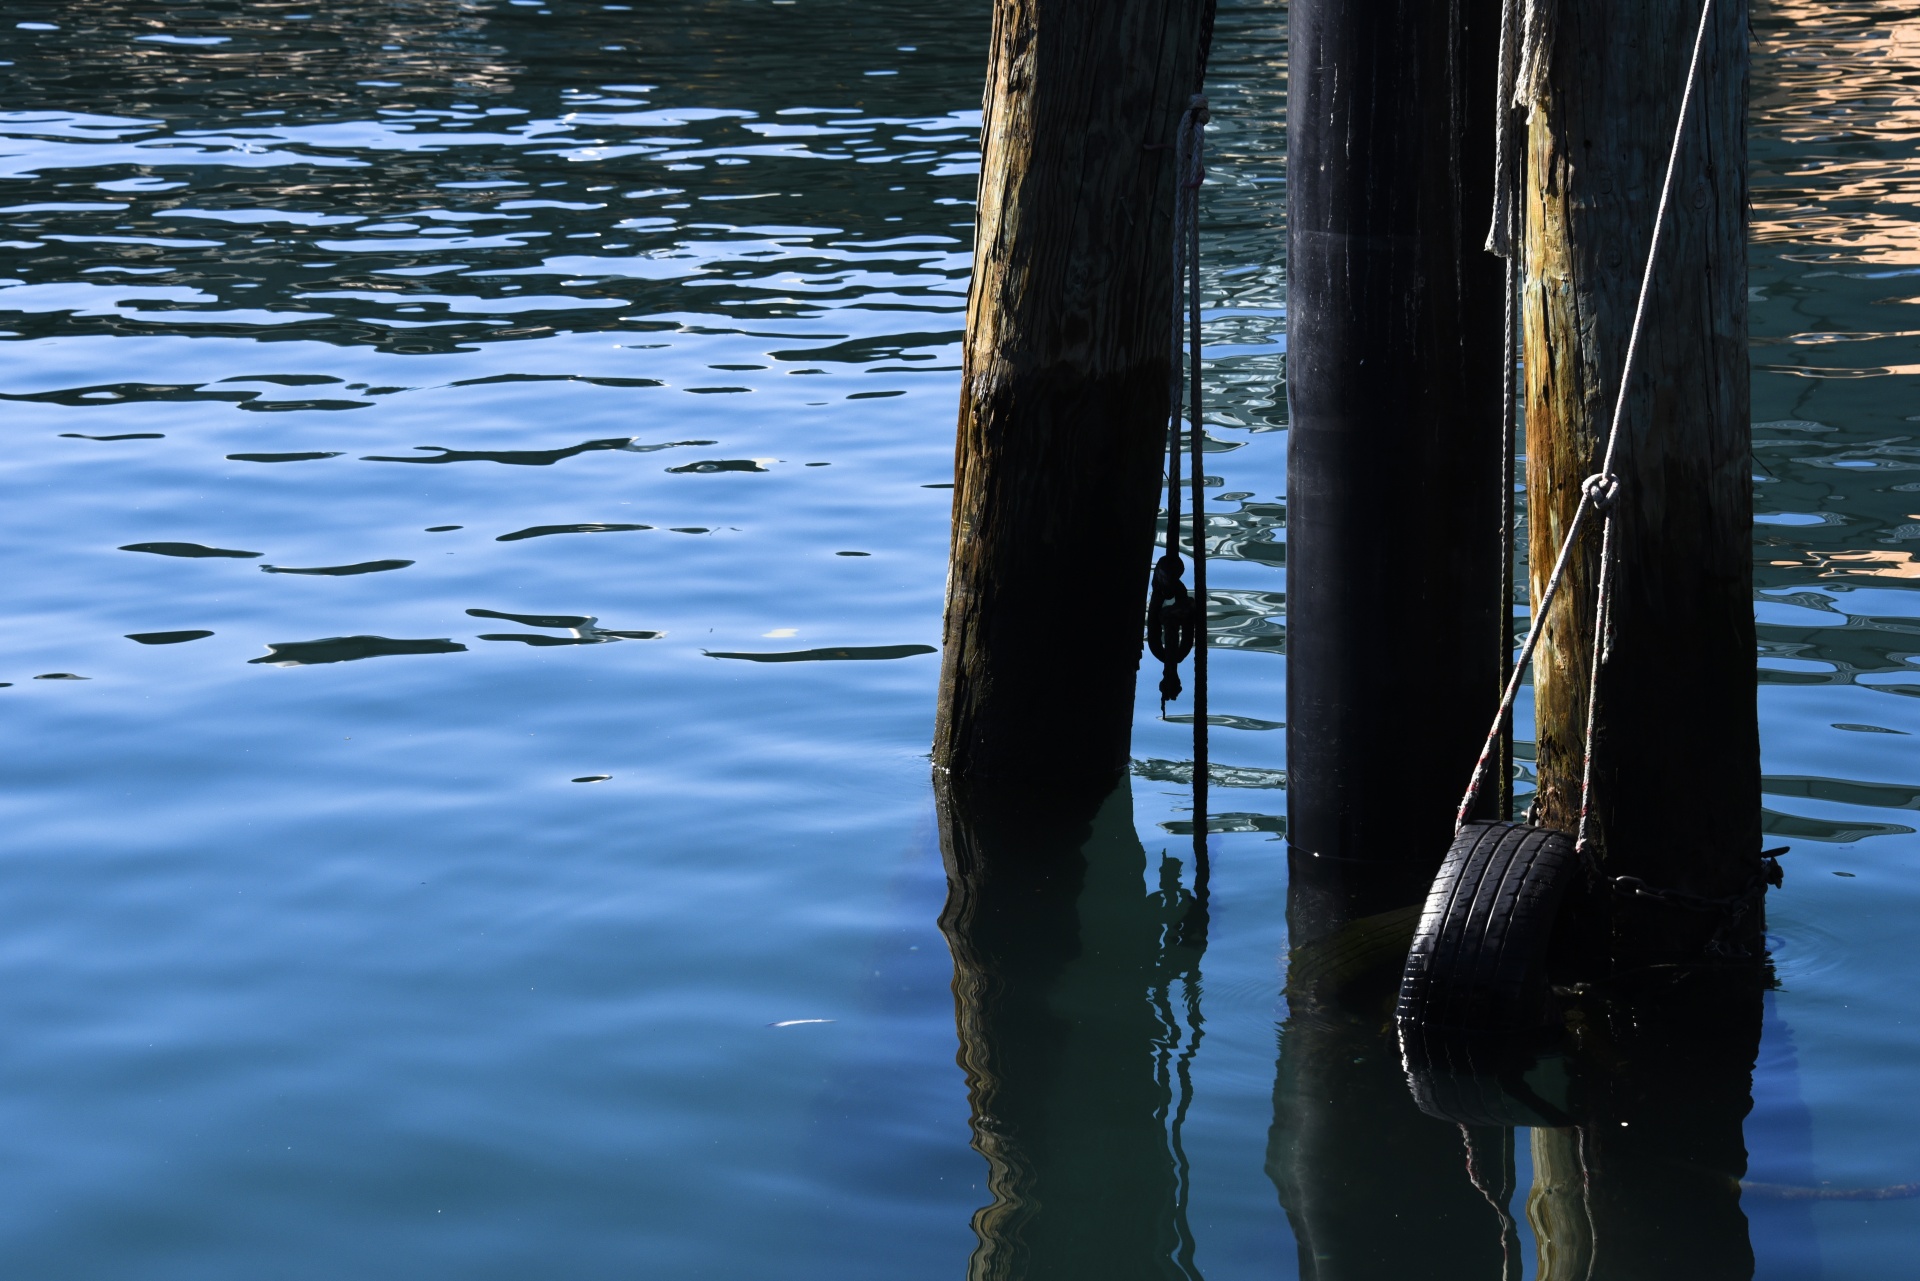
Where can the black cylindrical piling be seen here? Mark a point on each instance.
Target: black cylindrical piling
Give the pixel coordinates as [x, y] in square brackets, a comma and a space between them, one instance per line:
[1394, 322]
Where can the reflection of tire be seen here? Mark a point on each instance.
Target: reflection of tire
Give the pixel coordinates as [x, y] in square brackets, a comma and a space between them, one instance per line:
[1479, 956]
[1471, 1078]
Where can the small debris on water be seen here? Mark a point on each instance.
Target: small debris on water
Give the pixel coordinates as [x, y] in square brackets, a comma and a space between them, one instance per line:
[1849, 875]
[798, 1022]
[61, 676]
[593, 778]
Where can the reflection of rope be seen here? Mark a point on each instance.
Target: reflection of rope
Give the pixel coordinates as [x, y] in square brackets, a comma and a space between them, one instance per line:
[1597, 494]
[1182, 1173]
[1177, 620]
[1180, 953]
[1498, 1190]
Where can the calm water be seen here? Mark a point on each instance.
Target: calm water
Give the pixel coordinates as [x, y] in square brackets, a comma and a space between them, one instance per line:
[536, 368]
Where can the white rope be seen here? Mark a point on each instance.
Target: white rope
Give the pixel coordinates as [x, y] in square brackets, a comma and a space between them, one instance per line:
[1597, 493]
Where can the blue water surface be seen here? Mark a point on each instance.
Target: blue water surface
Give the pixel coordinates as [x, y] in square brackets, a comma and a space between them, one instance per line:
[374, 931]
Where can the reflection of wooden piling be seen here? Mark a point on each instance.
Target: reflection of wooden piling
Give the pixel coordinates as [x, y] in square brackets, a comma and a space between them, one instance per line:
[1375, 1189]
[1063, 412]
[1557, 1207]
[1393, 381]
[1676, 791]
[1066, 995]
[1648, 1187]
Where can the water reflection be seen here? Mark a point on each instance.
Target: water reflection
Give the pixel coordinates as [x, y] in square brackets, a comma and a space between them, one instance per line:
[1374, 1188]
[1393, 1165]
[1076, 993]
[1667, 1063]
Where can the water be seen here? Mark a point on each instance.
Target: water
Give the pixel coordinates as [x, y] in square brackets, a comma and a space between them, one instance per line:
[317, 959]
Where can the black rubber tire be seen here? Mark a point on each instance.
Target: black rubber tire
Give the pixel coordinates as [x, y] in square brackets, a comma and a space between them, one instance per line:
[1479, 961]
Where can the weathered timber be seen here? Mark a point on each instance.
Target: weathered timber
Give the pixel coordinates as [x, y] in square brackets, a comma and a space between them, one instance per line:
[1676, 777]
[1064, 394]
[1067, 979]
[1393, 382]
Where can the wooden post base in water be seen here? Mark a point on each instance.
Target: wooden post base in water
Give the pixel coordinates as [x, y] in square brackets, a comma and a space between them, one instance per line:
[1676, 797]
[1064, 398]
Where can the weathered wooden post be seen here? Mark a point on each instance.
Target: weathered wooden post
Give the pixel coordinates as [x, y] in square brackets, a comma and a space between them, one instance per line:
[1393, 380]
[1063, 409]
[1676, 795]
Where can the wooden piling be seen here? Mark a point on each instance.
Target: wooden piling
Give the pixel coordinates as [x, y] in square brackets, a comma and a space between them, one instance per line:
[1676, 771]
[1064, 400]
[1394, 386]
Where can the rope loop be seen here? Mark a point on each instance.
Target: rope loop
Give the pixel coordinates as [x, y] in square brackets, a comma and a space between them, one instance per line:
[1601, 489]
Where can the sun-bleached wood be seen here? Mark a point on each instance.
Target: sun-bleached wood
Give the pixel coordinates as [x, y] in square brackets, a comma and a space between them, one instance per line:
[1064, 395]
[1676, 796]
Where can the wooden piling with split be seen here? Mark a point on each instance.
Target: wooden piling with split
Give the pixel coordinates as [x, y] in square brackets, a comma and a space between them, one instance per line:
[1064, 400]
[1675, 796]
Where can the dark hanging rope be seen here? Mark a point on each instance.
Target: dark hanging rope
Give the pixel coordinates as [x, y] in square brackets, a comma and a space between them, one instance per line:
[1172, 623]
[1509, 428]
[1176, 619]
[1194, 173]
[1501, 241]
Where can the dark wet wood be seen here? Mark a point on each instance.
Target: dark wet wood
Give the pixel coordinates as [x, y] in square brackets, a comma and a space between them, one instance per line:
[1676, 797]
[1064, 397]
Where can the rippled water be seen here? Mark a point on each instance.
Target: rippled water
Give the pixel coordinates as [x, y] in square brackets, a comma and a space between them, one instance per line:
[421, 417]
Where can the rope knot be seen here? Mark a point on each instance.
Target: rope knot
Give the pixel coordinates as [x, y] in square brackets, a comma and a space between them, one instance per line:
[1601, 489]
[1170, 622]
